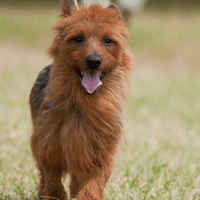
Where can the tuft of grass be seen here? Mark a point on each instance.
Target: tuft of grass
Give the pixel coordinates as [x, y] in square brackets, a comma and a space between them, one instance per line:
[159, 156]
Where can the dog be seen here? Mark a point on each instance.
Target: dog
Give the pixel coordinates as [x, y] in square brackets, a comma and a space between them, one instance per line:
[76, 103]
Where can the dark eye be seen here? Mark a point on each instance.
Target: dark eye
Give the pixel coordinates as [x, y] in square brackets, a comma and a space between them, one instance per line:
[107, 42]
[78, 40]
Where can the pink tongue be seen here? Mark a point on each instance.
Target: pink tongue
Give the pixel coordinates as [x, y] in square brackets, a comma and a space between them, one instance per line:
[91, 81]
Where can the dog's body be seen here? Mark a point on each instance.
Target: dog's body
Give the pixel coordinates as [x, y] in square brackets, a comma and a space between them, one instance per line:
[76, 102]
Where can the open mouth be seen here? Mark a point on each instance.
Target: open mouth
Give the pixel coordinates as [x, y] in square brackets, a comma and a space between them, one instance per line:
[91, 81]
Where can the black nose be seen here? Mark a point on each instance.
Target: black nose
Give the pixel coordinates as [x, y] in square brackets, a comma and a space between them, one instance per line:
[93, 61]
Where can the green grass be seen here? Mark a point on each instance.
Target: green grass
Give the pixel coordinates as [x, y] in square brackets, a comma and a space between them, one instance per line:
[27, 25]
[160, 156]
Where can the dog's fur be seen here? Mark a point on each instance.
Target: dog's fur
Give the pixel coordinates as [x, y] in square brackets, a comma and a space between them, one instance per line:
[76, 130]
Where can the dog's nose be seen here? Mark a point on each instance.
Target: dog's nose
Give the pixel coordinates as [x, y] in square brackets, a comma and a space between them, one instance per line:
[93, 61]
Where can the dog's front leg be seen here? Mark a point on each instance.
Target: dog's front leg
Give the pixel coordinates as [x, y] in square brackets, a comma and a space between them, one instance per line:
[54, 188]
[91, 190]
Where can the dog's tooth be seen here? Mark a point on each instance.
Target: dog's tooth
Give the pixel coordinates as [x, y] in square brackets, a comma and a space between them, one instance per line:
[81, 73]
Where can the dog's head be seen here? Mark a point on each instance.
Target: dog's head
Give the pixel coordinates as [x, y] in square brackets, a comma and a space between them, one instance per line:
[91, 45]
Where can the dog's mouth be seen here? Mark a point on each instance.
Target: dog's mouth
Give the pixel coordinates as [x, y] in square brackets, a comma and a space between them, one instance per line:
[91, 81]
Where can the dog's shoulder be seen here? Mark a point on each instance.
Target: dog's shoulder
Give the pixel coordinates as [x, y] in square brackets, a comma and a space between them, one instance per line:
[43, 78]
[39, 88]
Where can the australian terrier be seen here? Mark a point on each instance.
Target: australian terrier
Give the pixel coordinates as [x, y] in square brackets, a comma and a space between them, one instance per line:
[76, 102]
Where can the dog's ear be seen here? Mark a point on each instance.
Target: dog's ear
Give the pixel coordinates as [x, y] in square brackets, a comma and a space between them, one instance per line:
[114, 7]
[67, 5]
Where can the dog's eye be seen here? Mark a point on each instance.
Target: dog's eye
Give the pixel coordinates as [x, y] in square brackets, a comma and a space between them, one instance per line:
[107, 42]
[78, 40]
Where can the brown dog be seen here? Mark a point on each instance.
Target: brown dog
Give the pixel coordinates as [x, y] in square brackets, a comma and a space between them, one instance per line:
[76, 102]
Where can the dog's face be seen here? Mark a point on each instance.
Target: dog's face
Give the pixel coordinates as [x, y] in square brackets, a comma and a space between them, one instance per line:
[91, 43]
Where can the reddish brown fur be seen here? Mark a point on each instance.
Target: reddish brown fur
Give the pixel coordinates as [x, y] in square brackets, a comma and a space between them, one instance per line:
[74, 132]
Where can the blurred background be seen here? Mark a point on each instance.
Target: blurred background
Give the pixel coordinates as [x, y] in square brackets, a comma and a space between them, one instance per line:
[160, 156]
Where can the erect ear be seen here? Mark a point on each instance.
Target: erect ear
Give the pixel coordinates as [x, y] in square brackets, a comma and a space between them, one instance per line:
[114, 7]
[66, 6]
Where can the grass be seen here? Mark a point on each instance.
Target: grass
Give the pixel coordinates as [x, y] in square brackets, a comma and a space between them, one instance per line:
[160, 156]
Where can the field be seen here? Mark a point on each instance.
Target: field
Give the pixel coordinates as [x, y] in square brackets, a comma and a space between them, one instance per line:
[160, 152]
